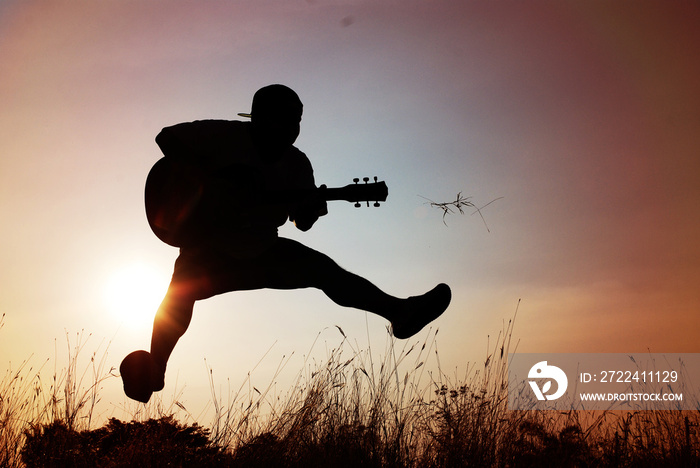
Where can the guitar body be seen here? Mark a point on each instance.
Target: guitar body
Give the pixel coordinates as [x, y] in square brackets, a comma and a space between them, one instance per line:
[185, 206]
[173, 196]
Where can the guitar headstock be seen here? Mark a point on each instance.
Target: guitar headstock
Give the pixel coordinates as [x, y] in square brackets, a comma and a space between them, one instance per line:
[369, 192]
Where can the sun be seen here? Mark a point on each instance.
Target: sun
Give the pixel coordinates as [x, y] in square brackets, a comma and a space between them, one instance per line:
[133, 294]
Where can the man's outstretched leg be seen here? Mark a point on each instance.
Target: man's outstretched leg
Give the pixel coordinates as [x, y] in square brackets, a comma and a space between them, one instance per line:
[304, 267]
[407, 316]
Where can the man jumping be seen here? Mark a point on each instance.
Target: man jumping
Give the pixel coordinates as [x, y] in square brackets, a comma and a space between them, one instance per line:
[236, 250]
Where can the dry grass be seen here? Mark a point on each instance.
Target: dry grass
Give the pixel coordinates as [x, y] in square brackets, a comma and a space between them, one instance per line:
[458, 205]
[354, 408]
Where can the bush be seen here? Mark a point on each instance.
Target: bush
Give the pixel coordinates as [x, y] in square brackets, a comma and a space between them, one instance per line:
[153, 443]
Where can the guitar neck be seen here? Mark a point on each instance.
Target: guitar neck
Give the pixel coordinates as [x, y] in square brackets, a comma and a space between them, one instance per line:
[369, 192]
[336, 194]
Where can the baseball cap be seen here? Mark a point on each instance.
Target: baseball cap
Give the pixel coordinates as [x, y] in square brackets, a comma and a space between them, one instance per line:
[275, 99]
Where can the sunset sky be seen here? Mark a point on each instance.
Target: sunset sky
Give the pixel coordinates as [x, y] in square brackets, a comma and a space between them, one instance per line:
[584, 116]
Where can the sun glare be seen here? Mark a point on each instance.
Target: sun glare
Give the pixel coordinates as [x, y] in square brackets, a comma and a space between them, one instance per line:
[133, 294]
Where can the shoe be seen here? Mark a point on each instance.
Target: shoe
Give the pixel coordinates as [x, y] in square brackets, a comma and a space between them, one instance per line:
[141, 376]
[420, 311]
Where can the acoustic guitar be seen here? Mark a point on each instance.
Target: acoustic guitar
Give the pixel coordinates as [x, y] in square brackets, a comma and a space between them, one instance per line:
[178, 206]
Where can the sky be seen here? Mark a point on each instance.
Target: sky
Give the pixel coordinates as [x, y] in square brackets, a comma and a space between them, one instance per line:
[581, 119]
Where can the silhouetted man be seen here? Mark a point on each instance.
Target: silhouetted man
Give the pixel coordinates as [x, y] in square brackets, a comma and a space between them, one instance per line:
[240, 249]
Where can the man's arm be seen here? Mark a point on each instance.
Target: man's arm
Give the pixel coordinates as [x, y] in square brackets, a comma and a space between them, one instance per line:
[306, 214]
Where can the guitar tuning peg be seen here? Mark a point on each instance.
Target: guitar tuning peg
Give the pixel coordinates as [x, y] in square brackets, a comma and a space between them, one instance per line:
[366, 179]
[376, 204]
[356, 180]
[375, 178]
[357, 205]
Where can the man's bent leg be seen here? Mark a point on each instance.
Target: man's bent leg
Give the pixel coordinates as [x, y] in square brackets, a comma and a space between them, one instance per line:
[198, 275]
[194, 278]
[170, 323]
